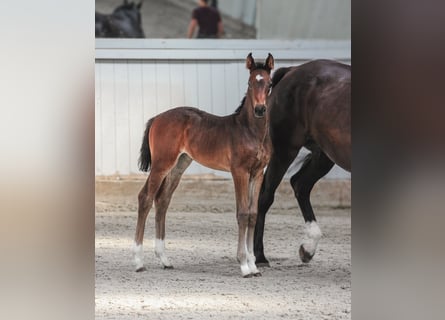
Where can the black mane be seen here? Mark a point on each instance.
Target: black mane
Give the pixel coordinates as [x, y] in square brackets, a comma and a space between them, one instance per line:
[279, 74]
[238, 110]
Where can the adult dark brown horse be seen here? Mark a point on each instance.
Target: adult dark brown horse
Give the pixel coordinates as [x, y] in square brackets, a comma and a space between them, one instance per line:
[310, 106]
[238, 143]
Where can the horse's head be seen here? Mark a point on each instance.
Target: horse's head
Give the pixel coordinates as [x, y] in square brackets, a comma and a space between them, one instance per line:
[128, 19]
[260, 83]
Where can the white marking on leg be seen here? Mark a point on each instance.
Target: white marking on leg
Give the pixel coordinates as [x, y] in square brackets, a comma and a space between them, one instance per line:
[245, 270]
[312, 236]
[160, 253]
[251, 263]
[249, 252]
[138, 256]
[259, 77]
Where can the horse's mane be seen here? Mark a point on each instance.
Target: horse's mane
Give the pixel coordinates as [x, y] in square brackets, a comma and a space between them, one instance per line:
[279, 74]
[238, 110]
[258, 65]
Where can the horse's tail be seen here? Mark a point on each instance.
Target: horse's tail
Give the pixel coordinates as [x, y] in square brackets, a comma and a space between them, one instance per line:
[145, 155]
[279, 74]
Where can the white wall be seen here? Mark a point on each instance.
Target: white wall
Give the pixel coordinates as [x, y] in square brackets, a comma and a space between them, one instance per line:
[137, 79]
[303, 19]
[242, 10]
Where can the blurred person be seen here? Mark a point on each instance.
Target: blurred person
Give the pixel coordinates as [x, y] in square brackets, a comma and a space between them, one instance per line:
[208, 20]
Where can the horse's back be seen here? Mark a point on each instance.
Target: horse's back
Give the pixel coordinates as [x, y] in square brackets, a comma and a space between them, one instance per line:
[205, 137]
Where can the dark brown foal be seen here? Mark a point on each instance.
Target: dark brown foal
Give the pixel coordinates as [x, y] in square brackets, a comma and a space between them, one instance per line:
[238, 143]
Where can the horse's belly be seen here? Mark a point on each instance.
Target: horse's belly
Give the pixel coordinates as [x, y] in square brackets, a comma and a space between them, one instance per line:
[213, 165]
[215, 160]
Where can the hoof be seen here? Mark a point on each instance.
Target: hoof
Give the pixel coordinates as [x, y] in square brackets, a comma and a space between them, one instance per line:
[304, 255]
[263, 264]
[262, 261]
[249, 275]
[258, 274]
[141, 269]
[168, 267]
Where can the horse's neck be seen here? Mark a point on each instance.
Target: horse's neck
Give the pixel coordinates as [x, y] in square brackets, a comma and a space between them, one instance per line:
[259, 126]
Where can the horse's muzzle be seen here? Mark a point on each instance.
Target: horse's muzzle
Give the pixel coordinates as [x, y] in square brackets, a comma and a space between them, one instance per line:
[259, 110]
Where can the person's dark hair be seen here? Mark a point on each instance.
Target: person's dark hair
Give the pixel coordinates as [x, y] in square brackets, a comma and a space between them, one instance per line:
[206, 1]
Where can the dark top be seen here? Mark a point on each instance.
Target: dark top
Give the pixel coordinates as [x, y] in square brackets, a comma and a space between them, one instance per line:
[208, 19]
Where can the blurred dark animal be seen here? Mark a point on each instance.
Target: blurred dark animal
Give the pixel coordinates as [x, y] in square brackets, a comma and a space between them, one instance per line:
[124, 22]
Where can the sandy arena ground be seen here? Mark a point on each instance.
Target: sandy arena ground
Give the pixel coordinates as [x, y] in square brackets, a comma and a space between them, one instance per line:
[201, 243]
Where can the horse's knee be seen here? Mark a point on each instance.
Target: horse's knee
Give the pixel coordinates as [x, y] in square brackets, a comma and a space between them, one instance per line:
[301, 189]
[252, 219]
[243, 218]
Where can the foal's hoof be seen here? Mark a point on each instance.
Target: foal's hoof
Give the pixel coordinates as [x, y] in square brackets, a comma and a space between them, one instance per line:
[258, 274]
[304, 255]
[141, 269]
[249, 275]
[168, 267]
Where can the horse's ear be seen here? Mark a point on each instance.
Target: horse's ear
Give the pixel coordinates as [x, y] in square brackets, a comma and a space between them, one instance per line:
[250, 63]
[140, 4]
[269, 62]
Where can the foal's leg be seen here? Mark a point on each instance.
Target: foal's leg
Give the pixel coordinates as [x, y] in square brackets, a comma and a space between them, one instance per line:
[276, 169]
[145, 197]
[162, 201]
[315, 166]
[241, 180]
[254, 190]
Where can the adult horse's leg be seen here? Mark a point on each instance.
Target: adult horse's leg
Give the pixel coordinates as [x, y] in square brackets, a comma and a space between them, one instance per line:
[315, 166]
[241, 181]
[145, 197]
[162, 201]
[275, 171]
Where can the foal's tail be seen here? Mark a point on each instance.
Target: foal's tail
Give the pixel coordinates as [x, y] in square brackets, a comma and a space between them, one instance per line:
[145, 156]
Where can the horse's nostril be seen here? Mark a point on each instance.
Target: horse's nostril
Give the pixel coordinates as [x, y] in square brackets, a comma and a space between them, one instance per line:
[260, 110]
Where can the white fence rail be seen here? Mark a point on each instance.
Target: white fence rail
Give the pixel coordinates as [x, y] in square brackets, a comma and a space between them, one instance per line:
[138, 79]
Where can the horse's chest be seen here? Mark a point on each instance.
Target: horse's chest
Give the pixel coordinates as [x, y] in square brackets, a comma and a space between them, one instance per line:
[262, 155]
[257, 157]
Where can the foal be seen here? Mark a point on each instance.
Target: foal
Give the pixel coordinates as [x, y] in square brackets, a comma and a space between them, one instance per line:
[238, 143]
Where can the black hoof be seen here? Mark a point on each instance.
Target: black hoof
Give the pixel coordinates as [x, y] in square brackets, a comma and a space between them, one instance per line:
[304, 255]
[248, 275]
[258, 274]
[141, 269]
[168, 267]
[263, 264]
[262, 261]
